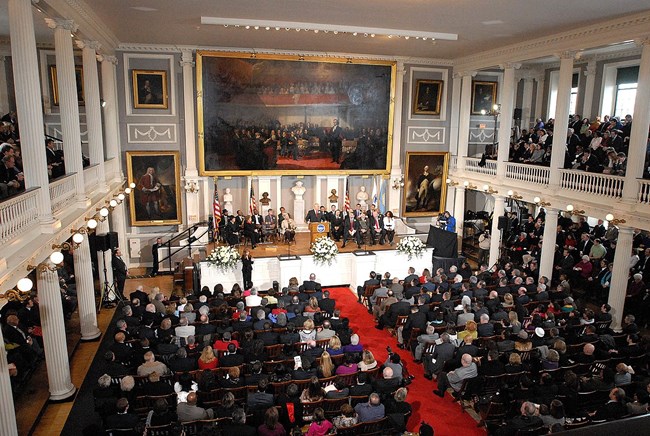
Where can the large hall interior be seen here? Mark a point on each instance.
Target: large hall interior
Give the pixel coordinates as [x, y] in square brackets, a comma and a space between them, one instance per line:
[305, 217]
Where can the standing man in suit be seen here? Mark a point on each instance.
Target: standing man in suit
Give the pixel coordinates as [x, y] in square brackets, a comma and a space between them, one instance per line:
[314, 215]
[336, 140]
[119, 272]
[154, 254]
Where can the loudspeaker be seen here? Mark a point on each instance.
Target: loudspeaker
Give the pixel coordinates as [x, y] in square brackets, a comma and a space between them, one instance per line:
[503, 223]
[106, 242]
[517, 114]
[113, 242]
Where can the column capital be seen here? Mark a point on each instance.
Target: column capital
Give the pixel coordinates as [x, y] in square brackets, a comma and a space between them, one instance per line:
[643, 41]
[60, 23]
[510, 65]
[186, 58]
[590, 70]
[85, 43]
[108, 59]
[625, 230]
[566, 54]
[461, 74]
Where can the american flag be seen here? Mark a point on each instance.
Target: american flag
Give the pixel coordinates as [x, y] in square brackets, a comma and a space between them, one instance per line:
[347, 195]
[253, 203]
[216, 206]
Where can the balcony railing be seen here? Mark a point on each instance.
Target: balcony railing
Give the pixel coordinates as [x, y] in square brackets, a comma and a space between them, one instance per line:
[472, 166]
[91, 178]
[527, 173]
[600, 185]
[110, 169]
[17, 214]
[62, 192]
[644, 192]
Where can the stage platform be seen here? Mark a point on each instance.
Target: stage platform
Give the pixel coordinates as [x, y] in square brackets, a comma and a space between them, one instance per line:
[351, 265]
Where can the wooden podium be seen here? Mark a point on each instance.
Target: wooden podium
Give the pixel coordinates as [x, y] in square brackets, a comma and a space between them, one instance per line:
[317, 230]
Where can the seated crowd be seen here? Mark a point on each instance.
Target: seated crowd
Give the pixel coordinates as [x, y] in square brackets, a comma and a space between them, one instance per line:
[591, 145]
[252, 362]
[531, 351]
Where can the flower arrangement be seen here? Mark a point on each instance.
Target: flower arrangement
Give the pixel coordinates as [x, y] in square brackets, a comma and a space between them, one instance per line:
[411, 246]
[224, 257]
[324, 250]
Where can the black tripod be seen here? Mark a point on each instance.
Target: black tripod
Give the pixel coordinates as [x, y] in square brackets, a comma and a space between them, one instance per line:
[108, 289]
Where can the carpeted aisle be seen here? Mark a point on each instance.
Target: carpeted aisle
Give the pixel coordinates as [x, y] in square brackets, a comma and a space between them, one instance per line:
[443, 414]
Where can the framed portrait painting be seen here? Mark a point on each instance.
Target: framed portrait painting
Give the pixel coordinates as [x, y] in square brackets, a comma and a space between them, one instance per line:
[425, 187]
[156, 199]
[484, 96]
[79, 79]
[427, 97]
[278, 114]
[149, 89]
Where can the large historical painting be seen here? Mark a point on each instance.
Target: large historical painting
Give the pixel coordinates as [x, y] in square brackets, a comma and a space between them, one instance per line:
[288, 115]
[425, 187]
[156, 199]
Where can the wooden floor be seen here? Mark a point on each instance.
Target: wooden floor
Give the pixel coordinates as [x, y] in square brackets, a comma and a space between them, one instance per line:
[34, 415]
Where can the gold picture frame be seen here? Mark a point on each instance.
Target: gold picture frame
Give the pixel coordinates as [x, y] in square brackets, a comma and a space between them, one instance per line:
[276, 93]
[79, 78]
[156, 199]
[149, 89]
[425, 193]
[484, 96]
[427, 97]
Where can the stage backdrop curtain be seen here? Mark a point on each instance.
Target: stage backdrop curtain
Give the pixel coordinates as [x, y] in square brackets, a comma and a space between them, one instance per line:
[444, 243]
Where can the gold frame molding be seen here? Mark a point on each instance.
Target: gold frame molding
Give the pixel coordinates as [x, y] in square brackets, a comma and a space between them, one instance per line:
[54, 84]
[420, 82]
[200, 54]
[132, 179]
[136, 89]
[414, 164]
[493, 85]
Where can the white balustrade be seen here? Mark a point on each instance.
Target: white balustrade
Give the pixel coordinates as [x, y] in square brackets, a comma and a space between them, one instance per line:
[472, 166]
[527, 173]
[644, 192]
[91, 178]
[453, 163]
[601, 185]
[62, 192]
[110, 169]
[17, 214]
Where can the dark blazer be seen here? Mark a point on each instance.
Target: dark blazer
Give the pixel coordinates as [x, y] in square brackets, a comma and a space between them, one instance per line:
[315, 216]
[119, 268]
[122, 421]
[327, 304]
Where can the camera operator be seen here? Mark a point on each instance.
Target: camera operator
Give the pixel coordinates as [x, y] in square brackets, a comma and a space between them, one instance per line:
[484, 242]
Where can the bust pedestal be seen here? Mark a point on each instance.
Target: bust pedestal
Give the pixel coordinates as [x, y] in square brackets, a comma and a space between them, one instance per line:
[299, 215]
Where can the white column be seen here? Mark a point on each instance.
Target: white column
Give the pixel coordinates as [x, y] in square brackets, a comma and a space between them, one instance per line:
[394, 198]
[29, 106]
[118, 224]
[191, 173]
[4, 95]
[318, 191]
[54, 338]
[93, 108]
[495, 241]
[463, 122]
[527, 103]
[505, 125]
[561, 117]
[7, 411]
[620, 276]
[548, 247]
[459, 214]
[111, 120]
[639, 132]
[68, 103]
[590, 85]
[454, 111]
[539, 95]
[83, 271]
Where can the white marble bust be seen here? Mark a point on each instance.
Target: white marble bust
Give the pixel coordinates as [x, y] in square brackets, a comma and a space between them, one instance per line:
[227, 200]
[298, 190]
[362, 197]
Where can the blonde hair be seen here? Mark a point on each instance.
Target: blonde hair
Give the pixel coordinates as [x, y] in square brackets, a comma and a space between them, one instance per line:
[335, 343]
[326, 365]
[293, 281]
[515, 359]
[507, 298]
[207, 355]
[313, 303]
[308, 324]
[470, 326]
[368, 357]
[623, 368]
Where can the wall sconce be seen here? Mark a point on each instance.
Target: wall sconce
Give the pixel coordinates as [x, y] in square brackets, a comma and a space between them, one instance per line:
[92, 223]
[573, 211]
[25, 284]
[613, 221]
[514, 195]
[103, 213]
[468, 185]
[538, 201]
[132, 185]
[42, 267]
[398, 182]
[452, 183]
[191, 187]
[488, 189]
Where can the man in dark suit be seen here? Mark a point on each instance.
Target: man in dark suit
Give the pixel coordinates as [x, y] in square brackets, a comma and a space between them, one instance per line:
[351, 230]
[268, 336]
[155, 387]
[119, 272]
[314, 215]
[613, 409]
[140, 295]
[362, 387]
[154, 254]
[260, 400]
[326, 303]
[204, 327]
[231, 358]
[485, 328]
[122, 420]
[238, 426]
[401, 308]
[416, 320]
[311, 284]
[372, 281]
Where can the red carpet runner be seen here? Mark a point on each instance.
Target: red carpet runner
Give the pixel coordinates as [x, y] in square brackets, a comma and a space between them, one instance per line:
[443, 414]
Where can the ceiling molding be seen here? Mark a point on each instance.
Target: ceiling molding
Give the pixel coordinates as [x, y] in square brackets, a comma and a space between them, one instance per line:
[596, 35]
[148, 48]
